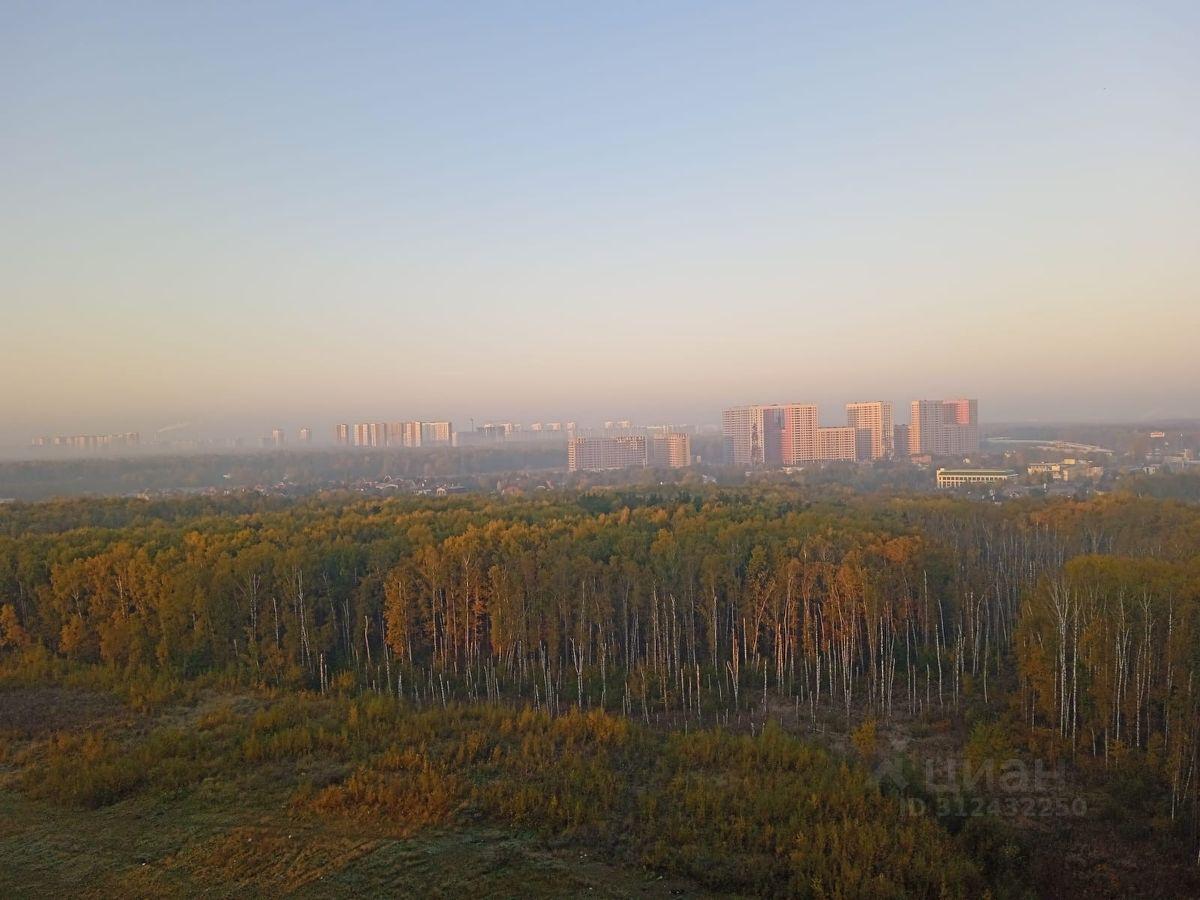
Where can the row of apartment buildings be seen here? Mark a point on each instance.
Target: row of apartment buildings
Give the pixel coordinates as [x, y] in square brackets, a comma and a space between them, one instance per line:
[427, 434]
[789, 433]
[505, 430]
[394, 434]
[278, 437]
[89, 441]
[660, 450]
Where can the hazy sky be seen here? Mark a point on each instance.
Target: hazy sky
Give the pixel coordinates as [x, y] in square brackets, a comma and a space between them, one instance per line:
[252, 213]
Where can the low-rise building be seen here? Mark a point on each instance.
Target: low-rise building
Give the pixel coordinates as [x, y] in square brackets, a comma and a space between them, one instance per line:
[947, 478]
[1052, 469]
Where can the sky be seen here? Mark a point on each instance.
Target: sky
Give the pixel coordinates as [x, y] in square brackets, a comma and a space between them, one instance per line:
[242, 215]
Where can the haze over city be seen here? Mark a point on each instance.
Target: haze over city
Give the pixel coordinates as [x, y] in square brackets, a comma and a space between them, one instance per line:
[242, 216]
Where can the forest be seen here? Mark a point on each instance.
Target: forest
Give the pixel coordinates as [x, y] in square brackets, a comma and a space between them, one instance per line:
[698, 680]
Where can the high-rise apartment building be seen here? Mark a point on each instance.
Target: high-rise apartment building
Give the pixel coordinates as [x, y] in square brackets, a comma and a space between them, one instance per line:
[278, 438]
[962, 426]
[788, 434]
[437, 433]
[943, 427]
[841, 443]
[669, 450]
[961, 438]
[496, 430]
[370, 434]
[772, 435]
[396, 434]
[798, 433]
[742, 427]
[595, 454]
[926, 423]
[305, 435]
[404, 434]
[874, 420]
[961, 411]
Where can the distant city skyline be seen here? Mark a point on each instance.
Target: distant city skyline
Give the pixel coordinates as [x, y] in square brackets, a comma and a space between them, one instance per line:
[242, 217]
[322, 431]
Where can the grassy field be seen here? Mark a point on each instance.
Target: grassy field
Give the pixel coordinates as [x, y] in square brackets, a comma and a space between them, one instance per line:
[241, 834]
[209, 792]
[185, 849]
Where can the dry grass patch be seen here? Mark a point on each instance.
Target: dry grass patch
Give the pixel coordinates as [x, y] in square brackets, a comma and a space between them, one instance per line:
[275, 858]
[31, 712]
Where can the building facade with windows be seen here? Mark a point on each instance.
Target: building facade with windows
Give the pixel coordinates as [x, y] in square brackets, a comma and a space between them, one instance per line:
[599, 453]
[948, 478]
[943, 427]
[874, 419]
[669, 450]
[437, 434]
[841, 443]
[788, 434]
[742, 428]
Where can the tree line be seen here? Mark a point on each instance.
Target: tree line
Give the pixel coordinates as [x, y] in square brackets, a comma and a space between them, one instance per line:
[707, 606]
